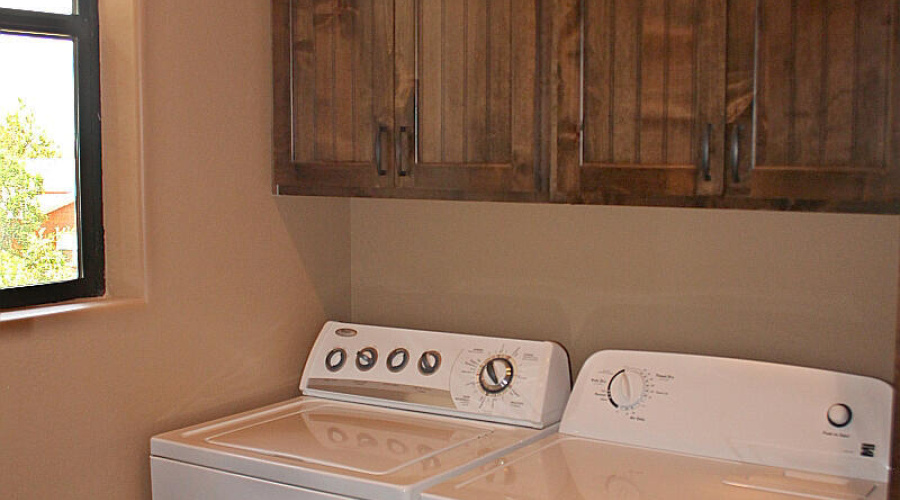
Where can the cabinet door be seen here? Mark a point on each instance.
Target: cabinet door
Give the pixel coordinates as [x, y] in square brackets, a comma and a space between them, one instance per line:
[826, 100]
[641, 98]
[340, 99]
[467, 97]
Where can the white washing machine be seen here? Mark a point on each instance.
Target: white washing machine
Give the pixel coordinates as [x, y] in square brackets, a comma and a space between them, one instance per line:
[659, 426]
[385, 413]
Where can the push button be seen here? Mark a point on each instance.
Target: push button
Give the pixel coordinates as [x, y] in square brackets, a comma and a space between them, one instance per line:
[840, 415]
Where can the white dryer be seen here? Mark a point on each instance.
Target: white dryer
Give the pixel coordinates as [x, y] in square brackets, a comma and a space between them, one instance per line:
[385, 413]
[661, 426]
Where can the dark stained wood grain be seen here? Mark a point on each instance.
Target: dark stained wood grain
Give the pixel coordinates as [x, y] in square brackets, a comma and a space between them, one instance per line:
[681, 92]
[282, 161]
[524, 123]
[653, 116]
[453, 83]
[653, 78]
[324, 31]
[343, 93]
[478, 98]
[839, 50]
[476, 110]
[565, 181]
[740, 94]
[494, 99]
[431, 71]
[304, 80]
[499, 56]
[825, 80]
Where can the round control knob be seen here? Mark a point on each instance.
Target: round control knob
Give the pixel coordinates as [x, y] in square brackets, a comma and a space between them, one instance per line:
[429, 362]
[626, 388]
[496, 375]
[366, 358]
[840, 415]
[335, 359]
[397, 359]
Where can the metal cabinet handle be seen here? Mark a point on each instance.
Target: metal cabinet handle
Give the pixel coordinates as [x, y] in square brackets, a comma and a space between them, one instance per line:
[736, 153]
[379, 157]
[704, 152]
[402, 153]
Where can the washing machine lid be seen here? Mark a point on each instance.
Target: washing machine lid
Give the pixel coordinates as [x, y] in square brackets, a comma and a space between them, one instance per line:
[568, 467]
[341, 448]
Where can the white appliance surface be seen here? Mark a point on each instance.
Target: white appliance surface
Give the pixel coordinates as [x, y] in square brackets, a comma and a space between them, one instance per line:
[665, 426]
[357, 437]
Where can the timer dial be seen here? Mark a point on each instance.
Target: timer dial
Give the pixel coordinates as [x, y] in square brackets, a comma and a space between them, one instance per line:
[626, 389]
[496, 375]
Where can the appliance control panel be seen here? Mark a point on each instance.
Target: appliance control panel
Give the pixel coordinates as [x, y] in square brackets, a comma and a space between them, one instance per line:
[749, 411]
[521, 382]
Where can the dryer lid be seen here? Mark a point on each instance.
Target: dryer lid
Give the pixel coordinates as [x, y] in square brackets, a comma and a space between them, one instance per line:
[577, 468]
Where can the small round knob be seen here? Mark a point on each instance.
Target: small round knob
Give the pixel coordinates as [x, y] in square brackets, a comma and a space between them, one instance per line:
[840, 415]
[335, 359]
[366, 358]
[429, 362]
[397, 359]
[626, 389]
[496, 375]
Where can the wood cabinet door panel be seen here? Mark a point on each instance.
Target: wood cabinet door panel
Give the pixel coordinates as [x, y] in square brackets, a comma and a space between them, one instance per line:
[342, 92]
[467, 95]
[652, 83]
[824, 118]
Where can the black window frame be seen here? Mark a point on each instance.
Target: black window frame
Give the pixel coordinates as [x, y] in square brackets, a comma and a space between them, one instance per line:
[82, 28]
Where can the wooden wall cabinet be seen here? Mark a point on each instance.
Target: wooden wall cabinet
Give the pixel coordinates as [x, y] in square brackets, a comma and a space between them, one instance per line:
[408, 98]
[757, 103]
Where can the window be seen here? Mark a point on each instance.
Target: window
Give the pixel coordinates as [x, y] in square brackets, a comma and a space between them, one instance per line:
[51, 229]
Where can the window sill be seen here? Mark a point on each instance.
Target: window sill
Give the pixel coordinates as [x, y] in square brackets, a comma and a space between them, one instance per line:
[29, 313]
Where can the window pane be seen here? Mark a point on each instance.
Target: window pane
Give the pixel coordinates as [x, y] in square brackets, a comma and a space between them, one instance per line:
[51, 6]
[38, 188]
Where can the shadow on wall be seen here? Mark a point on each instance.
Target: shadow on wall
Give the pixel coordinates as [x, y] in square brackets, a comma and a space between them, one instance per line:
[329, 272]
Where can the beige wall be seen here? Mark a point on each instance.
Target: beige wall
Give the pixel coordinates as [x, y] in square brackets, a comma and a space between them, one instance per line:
[809, 289]
[238, 282]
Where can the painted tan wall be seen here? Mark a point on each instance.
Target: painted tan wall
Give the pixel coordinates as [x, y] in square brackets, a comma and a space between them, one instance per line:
[808, 289]
[238, 282]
